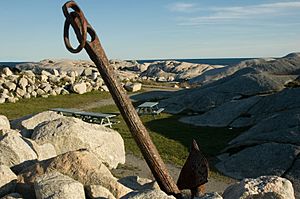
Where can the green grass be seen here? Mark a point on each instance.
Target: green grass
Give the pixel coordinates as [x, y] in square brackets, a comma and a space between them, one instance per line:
[35, 105]
[171, 137]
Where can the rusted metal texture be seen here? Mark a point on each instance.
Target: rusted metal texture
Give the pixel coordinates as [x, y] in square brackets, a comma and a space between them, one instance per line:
[75, 18]
[194, 173]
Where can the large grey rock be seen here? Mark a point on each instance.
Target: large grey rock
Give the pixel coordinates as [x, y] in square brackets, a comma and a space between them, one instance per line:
[293, 175]
[44, 72]
[6, 71]
[224, 90]
[40, 92]
[104, 88]
[282, 66]
[43, 151]
[282, 101]
[23, 82]
[122, 64]
[55, 185]
[27, 96]
[10, 86]
[223, 115]
[79, 88]
[133, 87]
[258, 77]
[7, 180]
[148, 194]
[28, 73]
[27, 124]
[284, 105]
[138, 183]
[68, 134]
[264, 159]
[281, 127]
[2, 100]
[60, 65]
[83, 166]
[54, 79]
[14, 150]
[43, 78]
[4, 123]
[263, 187]
[98, 191]
[175, 69]
[46, 87]
[20, 92]
[88, 71]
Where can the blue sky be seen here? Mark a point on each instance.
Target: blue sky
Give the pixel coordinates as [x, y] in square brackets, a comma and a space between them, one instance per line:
[32, 30]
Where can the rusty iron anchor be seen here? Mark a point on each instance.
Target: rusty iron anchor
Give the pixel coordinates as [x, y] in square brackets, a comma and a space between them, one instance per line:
[96, 53]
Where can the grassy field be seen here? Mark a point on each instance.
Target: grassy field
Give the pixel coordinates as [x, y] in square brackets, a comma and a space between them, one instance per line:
[36, 105]
[171, 137]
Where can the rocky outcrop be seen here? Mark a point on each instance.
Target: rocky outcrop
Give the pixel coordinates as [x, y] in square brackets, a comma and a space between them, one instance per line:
[133, 87]
[69, 134]
[132, 65]
[259, 160]
[43, 151]
[81, 166]
[14, 150]
[56, 185]
[286, 65]
[225, 114]
[98, 191]
[262, 187]
[27, 124]
[293, 175]
[148, 194]
[138, 183]
[4, 123]
[257, 95]
[251, 111]
[8, 180]
[261, 79]
[45, 82]
[174, 70]
[79, 88]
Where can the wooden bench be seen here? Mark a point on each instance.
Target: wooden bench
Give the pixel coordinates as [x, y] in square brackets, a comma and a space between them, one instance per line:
[99, 118]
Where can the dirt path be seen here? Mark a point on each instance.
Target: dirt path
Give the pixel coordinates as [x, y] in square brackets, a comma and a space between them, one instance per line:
[136, 166]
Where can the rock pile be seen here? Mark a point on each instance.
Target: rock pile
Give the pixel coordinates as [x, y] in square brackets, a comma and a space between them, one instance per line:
[55, 77]
[174, 70]
[254, 79]
[255, 97]
[68, 158]
[286, 65]
[27, 84]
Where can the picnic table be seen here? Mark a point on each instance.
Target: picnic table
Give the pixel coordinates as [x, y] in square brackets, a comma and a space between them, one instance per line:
[150, 108]
[99, 118]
